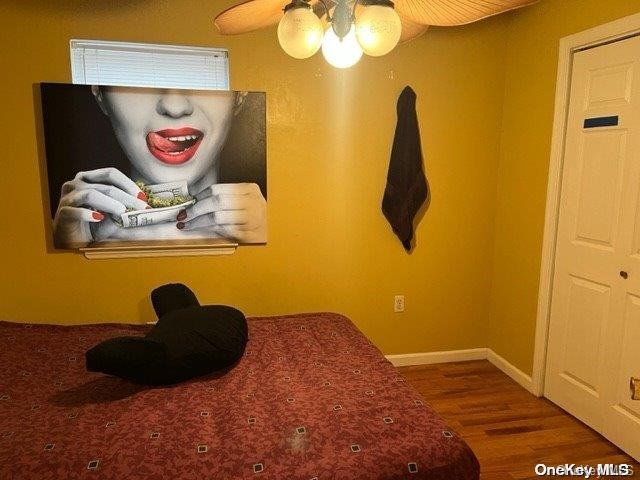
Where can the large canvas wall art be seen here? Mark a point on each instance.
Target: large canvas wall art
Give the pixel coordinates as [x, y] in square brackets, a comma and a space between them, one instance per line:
[132, 164]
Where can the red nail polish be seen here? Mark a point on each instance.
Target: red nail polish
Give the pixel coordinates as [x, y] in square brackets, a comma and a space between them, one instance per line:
[142, 196]
[180, 225]
[97, 216]
[182, 214]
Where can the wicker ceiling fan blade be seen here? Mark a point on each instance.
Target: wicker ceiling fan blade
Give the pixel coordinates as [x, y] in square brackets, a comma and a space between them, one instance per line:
[250, 16]
[411, 30]
[256, 14]
[448, 13]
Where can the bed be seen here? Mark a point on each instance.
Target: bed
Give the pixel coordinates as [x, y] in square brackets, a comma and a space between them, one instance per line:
[312, 398]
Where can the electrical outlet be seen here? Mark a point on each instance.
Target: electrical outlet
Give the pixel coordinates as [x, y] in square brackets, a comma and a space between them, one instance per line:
[398, 303]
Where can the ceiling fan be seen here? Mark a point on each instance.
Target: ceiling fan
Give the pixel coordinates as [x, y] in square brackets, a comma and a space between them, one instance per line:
[345, 29]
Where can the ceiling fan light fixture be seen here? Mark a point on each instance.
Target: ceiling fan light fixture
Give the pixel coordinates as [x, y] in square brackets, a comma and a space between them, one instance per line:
[300, 31]
[378, 27]
[341, 52]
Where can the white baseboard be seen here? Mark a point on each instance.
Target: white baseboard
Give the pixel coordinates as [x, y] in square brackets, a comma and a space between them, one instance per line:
[429, 358]
[514, 372]
[499, 362]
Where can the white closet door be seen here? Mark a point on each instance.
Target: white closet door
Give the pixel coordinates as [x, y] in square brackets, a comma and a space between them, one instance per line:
[594, 334]
[622, 344]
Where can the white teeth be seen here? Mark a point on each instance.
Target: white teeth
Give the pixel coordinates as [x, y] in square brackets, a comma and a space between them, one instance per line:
[183, 139]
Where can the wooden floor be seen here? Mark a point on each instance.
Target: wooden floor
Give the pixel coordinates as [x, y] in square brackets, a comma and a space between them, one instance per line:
[509, 429]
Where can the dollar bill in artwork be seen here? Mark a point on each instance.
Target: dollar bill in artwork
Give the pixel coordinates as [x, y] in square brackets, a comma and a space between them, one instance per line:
[165, 200]
[166, 191]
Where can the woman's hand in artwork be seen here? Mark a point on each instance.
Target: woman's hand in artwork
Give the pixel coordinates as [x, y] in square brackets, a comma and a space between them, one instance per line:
[88, 203]
[232, 210]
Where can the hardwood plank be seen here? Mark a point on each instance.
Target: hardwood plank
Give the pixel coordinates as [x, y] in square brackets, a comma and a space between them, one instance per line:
[509, 429]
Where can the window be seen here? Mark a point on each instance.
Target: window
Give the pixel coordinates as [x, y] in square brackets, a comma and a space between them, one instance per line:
[95, 62]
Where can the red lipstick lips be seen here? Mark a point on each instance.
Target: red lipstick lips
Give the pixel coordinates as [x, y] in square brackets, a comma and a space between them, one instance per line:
[174, 145]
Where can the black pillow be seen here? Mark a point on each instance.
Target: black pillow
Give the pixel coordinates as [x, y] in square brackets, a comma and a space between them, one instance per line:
[184, 344]
[132, 358]
[172, 296]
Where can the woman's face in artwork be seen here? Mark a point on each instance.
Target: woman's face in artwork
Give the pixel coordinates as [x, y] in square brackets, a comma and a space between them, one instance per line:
[169, 135]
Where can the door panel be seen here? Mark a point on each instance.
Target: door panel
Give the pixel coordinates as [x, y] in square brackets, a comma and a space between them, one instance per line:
[587, 307]
[594, 331]
[610, 86]
[602, 159]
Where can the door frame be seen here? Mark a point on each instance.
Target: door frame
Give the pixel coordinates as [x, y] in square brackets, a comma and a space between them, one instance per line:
[602, 34]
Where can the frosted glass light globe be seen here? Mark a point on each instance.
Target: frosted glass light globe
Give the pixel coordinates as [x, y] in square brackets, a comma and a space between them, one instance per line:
[300, 32]
[341, 53]
[378, 29]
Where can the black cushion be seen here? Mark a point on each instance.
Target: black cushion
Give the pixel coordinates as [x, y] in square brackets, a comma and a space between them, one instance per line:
[172, 296]
[184, 344]
[132, 358]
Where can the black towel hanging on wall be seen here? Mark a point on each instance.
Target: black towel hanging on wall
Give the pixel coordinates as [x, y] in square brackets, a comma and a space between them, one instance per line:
[407, 188]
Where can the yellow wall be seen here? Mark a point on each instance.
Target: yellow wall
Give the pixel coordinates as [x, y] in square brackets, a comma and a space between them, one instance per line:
[329, 137]
[486, 95]
[531, 61]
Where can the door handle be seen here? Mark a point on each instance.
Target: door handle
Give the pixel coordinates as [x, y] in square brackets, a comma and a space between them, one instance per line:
[634, 385]
[624, 274]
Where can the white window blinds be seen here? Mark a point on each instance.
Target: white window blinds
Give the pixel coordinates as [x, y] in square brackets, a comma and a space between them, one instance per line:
[95, 62]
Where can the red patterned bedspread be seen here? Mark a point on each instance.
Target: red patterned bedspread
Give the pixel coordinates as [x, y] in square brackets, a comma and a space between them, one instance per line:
[311, 399]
